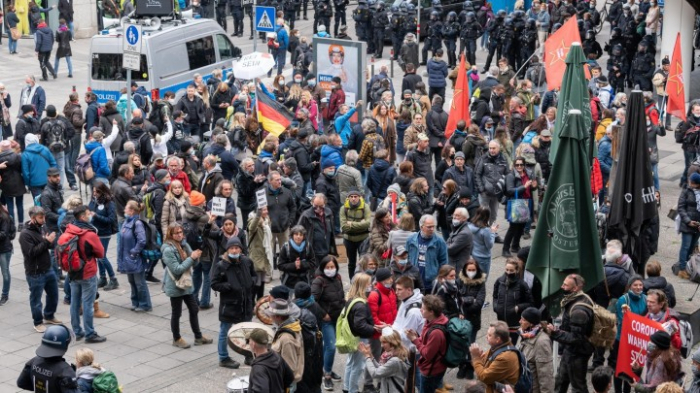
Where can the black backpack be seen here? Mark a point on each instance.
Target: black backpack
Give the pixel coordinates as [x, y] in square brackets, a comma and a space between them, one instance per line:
[313, 349]
[192, 235]
[137, 142]
[55, 136]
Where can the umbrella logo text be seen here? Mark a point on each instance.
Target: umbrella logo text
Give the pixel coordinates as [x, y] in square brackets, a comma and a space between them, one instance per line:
[562, 217]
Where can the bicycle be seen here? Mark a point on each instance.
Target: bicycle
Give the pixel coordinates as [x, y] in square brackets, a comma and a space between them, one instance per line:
[603, 16]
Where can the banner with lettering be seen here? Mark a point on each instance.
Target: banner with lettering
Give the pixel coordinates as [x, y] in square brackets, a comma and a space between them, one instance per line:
[636, 330]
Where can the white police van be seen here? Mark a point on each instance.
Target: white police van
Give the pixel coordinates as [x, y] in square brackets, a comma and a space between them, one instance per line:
[171, 53]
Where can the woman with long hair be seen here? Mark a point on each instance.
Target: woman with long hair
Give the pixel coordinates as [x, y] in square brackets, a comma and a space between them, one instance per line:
[663, 363]
[506, 144]
[296, 260]
[445, 287]
[141, 173]
[447, 161]
[179, 259]
[405, 177]
[419, 200]
[520, 184]
[208, 112]
[129, 260]
[327, 290]
[402, 124]
[105, 221]
[221, 100]
[367, 264]
[379, 234]
[471, 297]
[361, 326]
[222, 235]
[385, 119]
[8, 231]
[174, 205]
[474, 146]
[253, 133]
[392, 367]
[311, 105]
[446, 202]
[294, 97]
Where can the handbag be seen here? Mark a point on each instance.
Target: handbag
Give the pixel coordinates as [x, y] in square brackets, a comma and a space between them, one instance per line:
[14, 32]
[185, 280]
[518, 210]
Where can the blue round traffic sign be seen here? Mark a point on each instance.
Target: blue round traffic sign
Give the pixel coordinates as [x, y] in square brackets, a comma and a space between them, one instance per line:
[132, 35]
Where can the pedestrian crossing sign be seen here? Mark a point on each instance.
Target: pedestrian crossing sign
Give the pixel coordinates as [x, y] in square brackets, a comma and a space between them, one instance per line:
[265, 19]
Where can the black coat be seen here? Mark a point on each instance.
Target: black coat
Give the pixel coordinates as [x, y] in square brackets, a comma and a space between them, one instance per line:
[328, 292]
[418, 205]
[360, 320]
[24, 126]
[508, 295]
[245, 187]
[616, 278]
[286, 263]
[576, 327]
[281, 208]
[329, 188]
[460, 245]
[208, 183]
[270, 373]
[320, 237]
[472, 295]
[688, 210]
[234, 282]
[51, 201]
[65, 10]
[8, 231]
[381, 175]
[12, 182]
[63, 40]
[422, 164]
[35, 250]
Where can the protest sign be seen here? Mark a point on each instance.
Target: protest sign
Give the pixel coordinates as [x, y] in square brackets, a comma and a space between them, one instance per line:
[261, 198]
[636, 330]
[218, 206]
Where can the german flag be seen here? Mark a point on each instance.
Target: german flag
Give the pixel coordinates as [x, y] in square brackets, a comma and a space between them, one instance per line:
[272, 115]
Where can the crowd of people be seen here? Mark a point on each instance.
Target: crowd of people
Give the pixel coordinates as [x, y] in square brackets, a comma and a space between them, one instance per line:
[411, 213]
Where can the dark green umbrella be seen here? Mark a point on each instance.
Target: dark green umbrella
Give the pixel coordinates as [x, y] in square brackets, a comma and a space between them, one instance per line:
[566, 238]
[573, 95]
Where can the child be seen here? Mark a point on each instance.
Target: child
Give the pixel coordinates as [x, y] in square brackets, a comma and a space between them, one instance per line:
[601, 379]
[87, 370]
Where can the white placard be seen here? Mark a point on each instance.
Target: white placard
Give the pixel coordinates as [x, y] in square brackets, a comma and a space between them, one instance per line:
[218, 206]
[261, 197]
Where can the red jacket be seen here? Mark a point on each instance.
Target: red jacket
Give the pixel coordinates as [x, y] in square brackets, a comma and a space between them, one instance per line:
[653, 113]
[336, 100]
[432, 348]
[89, 246]
[672, 317]
[182, 177]
[386, 312]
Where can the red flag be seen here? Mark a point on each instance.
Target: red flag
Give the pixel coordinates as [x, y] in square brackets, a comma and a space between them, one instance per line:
[555, 50]
[675, 88]
[459, 110]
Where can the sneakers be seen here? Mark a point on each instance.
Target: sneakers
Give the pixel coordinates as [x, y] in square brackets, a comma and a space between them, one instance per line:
[40, 328]
[113, 284]
[95, 338]
[327, 384]
[52, 321]
[335, 377]
[202, 340]
[181, 343]
[526, 236]
[229, 363]
[74, 187]
[3, 300]
[102, 282]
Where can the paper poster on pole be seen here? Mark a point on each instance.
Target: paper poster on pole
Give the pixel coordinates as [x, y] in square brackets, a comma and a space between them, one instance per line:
[636, 331]
[218, 206]
[261, 198]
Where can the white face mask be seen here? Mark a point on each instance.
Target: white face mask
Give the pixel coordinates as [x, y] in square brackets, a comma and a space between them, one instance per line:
[471, 274]
[329, 273]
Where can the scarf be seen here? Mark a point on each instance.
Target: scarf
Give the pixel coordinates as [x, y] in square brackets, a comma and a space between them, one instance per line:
[697, 199]
[570, 298]
[657, 317]
[299, 248]
[305, 303]
[529, 333]
[178, 247]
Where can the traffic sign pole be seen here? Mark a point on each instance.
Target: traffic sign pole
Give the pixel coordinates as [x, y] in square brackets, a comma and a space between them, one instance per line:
[255, 26]
[131, 59]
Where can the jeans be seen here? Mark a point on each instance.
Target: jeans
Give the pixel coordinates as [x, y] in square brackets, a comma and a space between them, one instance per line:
[12, 46]
[281, 59]
[5, 269]
[223, 337]
[428, 384]
[103, 263]
[201, 279]
[688, 243]
[68, 61]
[18, 203]
[351, 250]
[689, 158]
[120, 222]
[176, 305]
[84, 290]
[328, 330]
[71, 158]
[492, 203]
[655, 173]
[484, 263]
[60, 158]
[191, 129]
[43, 282]
[354, 367]
[140, 297]
[35, 191]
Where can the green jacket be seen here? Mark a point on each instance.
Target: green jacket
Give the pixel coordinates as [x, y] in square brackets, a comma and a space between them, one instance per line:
[176, 266]
[354, 222]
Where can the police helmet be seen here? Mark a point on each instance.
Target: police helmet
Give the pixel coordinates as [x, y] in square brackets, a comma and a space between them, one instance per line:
[394, 9]
[434, 15]
[436, 3]
[642, 46]
[617, 50]
[411, 7]
[452, 16]
[403, 6]
[616, 32]
[55, 341]
[519, 14]
[509, 22]
[467, 5]
[371, 2]
[379, 5]
[531, 24]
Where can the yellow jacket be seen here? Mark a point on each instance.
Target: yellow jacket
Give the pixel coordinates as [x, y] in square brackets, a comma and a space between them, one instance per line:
[602, 126]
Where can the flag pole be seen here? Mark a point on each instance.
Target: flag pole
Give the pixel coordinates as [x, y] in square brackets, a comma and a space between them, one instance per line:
[525, 63]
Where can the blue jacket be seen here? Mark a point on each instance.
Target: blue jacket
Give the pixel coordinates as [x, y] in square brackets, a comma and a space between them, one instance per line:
[605, 155]
[44, 40]
[435, 257]
[133, 240]
[92, 118]
[36, 160]
[437, 73]
[105, 218]
[282, 37]
[381, 175]
[636, 303]
[333, 153]
[342, 125]
[483, 240]
[99, 159]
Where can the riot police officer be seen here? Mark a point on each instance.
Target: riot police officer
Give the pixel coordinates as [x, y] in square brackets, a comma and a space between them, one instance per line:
[506, 40]
[411, 25]
[248, 9]
[450, 32]
[518, 27]
[48, 371]
[380, 23]
[433, 41]
[290, 11]
[467, 7]
[339, 16]
[528, 41]
[237, 13]
[618, 68]
[643, 67]
[494, 29]
[615, 39]
[362, 17]
[221, 6]
[396, 27]
[471, 31]
[591, 46]
[323, 14]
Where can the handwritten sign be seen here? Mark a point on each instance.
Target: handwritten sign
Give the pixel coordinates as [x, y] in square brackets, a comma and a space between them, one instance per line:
[261, 198]
[218, 206]
[636, 331]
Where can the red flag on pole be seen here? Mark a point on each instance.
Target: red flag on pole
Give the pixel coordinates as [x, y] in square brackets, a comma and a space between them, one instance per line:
[459, 110]
[675, 87]
[555, 50]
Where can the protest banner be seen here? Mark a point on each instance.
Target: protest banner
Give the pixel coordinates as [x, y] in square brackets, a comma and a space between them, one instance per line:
[636, 330]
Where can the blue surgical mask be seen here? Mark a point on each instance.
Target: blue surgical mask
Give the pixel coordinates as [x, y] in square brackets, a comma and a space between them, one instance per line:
[167, 183]
[311, 82]
[28, 86]
[233, 256]
[370, 271]
[387, 286]
[127, 216]
[403, 262]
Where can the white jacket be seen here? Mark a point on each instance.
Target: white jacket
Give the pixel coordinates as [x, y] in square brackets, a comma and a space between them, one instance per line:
[412, 319]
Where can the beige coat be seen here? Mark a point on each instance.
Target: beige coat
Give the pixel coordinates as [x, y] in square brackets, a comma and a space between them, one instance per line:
[259, 244]
[538, 352]
[291, 348]
[652, 19]
[170, 211]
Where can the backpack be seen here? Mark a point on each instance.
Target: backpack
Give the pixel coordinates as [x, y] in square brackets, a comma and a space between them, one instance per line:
[148, 204]
[375, 90]
[524, 384]
[55, 136]
[412, 306]
[457, 332]
[137, 142]
[192, 235]
[691, 137]
[693, 269]
[686, 338]
[377, 144]
[313, 348]
[604, 324]
[151, 251]
[69, 258]
[106, 382]
[536, 74]
[146, 107]
[83, 167]
[345, 341]
[529, 136]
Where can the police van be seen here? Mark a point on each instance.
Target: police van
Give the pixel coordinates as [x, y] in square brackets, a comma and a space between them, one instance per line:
[171, 53]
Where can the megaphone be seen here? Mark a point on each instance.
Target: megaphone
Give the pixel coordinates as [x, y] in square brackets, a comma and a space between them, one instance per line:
[151, 23]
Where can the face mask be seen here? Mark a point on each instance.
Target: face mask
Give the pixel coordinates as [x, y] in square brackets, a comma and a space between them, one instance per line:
[171, 102]
[330, 273]
[456, 223]
[650, 347]
[370, 271]
[387, 286]
[333, 85]
[452, 156]
[233, 256]
[330, 174]
[29, 86]
[281, 82]
[451, 282]
[297, 80]
[167, 183]
[127, 216]
[512, 276]
[489, 129]
[311, 82]
[471, 274]
[403, 262]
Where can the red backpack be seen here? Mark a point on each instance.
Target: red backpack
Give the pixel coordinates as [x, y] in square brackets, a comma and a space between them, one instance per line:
[69, 259]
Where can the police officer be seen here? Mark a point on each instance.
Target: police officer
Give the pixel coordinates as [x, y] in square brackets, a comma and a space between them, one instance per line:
[368, 27]
[518, 28]
[467, 7]
[248, 9]
[290, 11]
[591, 47]
[450, 32]
[528, 41]
[48, 372]
[380, 23]
[615, 39]
[618, 68]
[494, 29]
[361, 16]
[411, 25]
[221, 6]
[471, 31]
[433, 41]
[323, 15]
[339, 16]
[506, 41]
[643, 67]
[396, 26]
[237, 14]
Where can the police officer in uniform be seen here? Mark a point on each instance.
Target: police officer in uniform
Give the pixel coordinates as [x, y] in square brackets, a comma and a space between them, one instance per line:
[433, 41]
[411, 25]
[396, 25]
[339, 16]
[248, 8]
[615, 39]
[518, 28]
[237, 14]
[471, 31]
[221, 6]
[361, 16]
[290, 11]
[467, 7]
[618, 68]
[48, 372]
[643, 67]
[380, 23]
[528, 41]
[506, 41]
[325, 13]
[494, 28]
[591, 47]
[450, 32]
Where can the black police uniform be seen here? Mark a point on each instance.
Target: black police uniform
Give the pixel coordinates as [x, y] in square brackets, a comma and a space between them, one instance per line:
[433, 41]
[340, 15]
[361, 16]
[290, 11]
[221, 6]
[618, 68]
[450, 32]
[507, 34]
[470, 33]
[642, 70]
[48, 375]
[248, 9]
[380, 23]
[528, 41]
[494, 28]
[396, 25]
